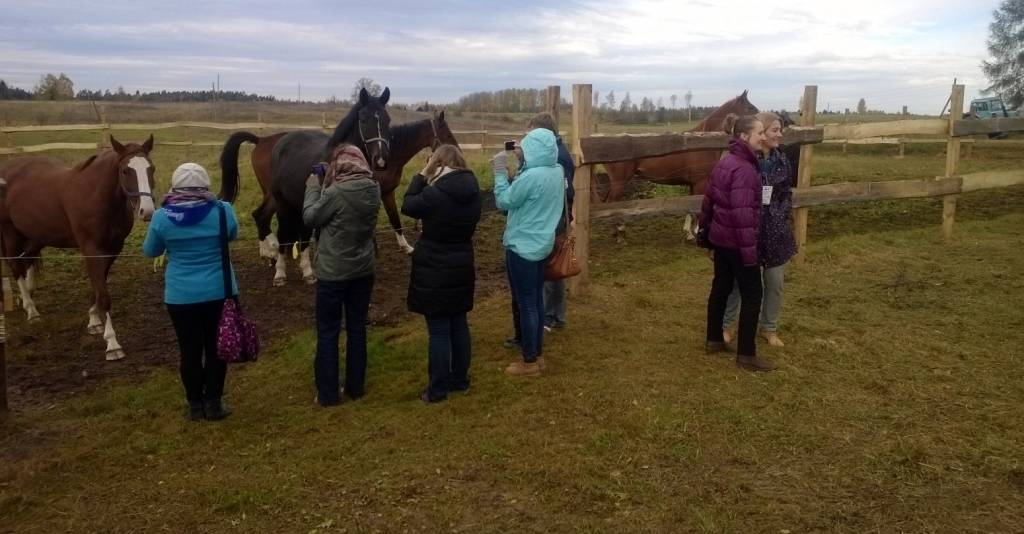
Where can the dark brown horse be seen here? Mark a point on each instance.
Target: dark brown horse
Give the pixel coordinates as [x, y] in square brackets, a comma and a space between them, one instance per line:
[407, 140]
[91, 206]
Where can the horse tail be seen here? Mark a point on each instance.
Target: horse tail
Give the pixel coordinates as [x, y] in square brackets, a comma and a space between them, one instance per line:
[229, 164]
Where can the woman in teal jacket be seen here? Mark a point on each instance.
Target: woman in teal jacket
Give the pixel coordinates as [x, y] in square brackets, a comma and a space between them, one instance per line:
[187, 228]
[534, 201]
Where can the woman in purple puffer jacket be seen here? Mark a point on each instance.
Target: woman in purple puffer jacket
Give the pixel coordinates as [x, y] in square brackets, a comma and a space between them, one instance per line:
[731, 215]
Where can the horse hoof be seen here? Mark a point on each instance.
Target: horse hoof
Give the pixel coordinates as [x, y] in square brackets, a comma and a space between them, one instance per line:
[279, 282]
[114, 355]
[309, 280]
[95, 330]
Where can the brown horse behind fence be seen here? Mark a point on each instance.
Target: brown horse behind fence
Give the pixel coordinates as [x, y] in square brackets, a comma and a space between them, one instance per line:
[407, 141]
[91, 206]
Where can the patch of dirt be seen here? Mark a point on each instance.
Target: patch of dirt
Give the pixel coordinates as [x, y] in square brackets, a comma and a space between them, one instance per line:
[53, 359]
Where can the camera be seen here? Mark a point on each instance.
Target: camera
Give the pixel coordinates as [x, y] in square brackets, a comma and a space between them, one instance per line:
[510, 145]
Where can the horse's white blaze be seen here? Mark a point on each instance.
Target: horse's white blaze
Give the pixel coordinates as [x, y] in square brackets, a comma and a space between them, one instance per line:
[141, 167]
[27, 303]
[114, 351]
[280, 275]
[403, 244]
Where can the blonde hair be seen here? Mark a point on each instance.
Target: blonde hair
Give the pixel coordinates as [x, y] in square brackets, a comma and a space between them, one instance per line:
[736, 125]
[767, 118]
[445, 156]
[543, 120]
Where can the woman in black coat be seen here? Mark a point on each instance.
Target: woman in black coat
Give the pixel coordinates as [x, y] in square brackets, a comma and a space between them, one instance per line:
[446, 196]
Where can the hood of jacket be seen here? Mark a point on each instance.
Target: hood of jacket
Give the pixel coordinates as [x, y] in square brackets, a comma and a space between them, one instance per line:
[460, 185]
[540, 148]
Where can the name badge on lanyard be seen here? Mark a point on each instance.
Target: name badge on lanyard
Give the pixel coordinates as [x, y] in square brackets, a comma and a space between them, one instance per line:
[766, 195]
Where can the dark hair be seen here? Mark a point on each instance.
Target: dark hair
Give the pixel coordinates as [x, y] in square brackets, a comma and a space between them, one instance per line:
[543, 120]
[736, 125]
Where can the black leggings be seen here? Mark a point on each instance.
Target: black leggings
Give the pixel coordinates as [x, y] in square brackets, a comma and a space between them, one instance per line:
[202, 371]
[729, 268]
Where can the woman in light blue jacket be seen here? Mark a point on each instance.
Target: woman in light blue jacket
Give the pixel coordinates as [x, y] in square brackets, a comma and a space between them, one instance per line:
[187, 228]
[534, 201]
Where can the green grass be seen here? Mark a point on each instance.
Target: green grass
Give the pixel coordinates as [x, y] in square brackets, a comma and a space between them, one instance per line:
[896, 408]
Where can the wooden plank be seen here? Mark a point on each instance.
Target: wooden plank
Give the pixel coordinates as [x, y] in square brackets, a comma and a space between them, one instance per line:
[651, 206]
[887, 129]
[582, 127]
[53, 128]
[956, 109]
[49, 146]
[552, 101]
[803, 179]
[624, 147]
[992, 179]
[963, 127]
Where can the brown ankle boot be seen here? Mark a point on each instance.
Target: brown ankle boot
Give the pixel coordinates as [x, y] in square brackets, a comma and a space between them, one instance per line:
[521, 368]
[753, 363]
[715, 348]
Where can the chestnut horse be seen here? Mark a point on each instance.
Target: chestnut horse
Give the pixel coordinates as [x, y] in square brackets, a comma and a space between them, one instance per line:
[91, 206]
[407, 140]
[283, 162]
[684, 168]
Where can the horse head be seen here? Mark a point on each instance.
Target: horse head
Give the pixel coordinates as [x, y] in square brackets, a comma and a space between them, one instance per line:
[715, 121]
[374, 125]
[442, 133]
[135, 172]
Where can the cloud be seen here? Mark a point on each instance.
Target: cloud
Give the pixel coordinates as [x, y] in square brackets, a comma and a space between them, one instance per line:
[898, 52]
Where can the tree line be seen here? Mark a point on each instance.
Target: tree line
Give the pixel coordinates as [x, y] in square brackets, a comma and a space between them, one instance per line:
[61, 87]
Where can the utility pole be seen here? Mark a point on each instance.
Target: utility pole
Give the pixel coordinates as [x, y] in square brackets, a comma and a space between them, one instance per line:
[299, 101]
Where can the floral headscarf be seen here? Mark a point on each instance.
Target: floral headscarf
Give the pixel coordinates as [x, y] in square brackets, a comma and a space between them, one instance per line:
[347, 163]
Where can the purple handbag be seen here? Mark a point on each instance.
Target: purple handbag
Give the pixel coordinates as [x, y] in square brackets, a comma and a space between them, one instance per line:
[237, 339]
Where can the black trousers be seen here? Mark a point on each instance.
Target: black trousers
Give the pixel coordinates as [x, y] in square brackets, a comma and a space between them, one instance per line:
[729, 269]
[202, 371]
[351, 299]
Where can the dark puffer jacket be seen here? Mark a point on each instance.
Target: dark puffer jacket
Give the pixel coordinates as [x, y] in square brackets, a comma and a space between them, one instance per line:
[443, 272]
[732, 202]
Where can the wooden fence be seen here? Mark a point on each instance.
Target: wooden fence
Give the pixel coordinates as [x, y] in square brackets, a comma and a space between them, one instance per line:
[484, 138]
[589, 150]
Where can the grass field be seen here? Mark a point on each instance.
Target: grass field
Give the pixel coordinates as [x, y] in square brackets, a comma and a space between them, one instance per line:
[896, 408]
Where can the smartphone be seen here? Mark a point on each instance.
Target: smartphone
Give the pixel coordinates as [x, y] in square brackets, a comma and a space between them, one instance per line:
[510, 145]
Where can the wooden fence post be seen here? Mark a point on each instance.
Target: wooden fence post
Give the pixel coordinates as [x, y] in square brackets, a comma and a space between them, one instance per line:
[553, 102]
[483, 141]
[902, 149]
[582, 103]
[956, 110]
[323, 120]
[803, 180]
[104, 129]
[3, 333]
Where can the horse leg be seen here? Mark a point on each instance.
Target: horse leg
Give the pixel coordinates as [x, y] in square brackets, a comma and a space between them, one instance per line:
[688, 227]
[264, 215]
[98, 268]
[27, 303]
[14, 246]
[396, 222]
[304, 263]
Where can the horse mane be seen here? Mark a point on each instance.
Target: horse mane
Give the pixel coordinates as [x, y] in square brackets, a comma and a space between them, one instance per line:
[405, 134]
[345, 126]
[719, 114]
[82, 165]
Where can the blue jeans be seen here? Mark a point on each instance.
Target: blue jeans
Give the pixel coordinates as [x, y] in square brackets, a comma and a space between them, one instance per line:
[527, 281]
[352, 296]
[771, 304]
[449, 352]
[554, 302]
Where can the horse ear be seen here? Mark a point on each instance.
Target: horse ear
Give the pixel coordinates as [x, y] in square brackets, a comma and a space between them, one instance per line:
[118, 147]
[440, 116]
[363, 96]
[148, 145]
[744, 95]
[385, 96]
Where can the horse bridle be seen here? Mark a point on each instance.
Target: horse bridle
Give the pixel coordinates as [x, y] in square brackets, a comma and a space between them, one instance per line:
[133, 195]
[379, 139]
[437, 140]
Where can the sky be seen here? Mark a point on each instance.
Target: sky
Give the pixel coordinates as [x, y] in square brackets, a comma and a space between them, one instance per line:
[890, 52]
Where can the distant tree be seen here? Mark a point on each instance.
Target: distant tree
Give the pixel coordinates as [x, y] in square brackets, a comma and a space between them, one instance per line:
[673, 99]
[1006, 45]
[8, 92]
[610, 100]
[688, 98]
[862, 106]
[597, 99]
[365, 83]
[627, 104]
[52, 87]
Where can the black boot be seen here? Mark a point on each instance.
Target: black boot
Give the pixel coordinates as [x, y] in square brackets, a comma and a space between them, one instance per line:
[195, 411]
[215, 411]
